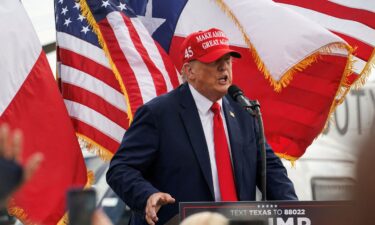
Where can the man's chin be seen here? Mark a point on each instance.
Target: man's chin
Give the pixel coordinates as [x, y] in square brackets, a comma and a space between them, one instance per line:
[224, 87]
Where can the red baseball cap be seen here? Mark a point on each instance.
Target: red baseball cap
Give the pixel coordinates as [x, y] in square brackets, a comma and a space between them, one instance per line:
[206, 46]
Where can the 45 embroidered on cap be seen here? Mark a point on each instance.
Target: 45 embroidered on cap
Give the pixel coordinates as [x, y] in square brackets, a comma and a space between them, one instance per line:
[206, 46]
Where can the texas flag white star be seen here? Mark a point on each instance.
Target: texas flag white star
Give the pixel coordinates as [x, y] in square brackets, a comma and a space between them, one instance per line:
[151, 23]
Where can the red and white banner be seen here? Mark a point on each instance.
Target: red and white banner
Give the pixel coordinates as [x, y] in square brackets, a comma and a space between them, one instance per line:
[31, 101]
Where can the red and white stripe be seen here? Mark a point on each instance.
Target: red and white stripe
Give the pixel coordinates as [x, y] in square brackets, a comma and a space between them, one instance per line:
[92, 94]
[138, 59]
[30, 100]
[354, 21]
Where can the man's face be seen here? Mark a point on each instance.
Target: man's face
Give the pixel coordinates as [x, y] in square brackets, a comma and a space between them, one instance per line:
[211, 79]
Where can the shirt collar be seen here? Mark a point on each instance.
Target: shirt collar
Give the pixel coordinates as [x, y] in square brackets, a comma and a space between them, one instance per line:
[203, 104]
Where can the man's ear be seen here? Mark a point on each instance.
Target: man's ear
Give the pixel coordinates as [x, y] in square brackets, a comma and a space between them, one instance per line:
[186, 71]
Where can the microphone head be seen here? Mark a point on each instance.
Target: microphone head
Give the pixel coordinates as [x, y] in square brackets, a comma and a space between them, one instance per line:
[234, 91]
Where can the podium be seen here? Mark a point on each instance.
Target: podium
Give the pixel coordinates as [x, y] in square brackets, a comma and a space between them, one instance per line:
[277, 212]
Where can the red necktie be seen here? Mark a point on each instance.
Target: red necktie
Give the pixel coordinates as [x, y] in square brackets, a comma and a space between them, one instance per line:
[223, 162]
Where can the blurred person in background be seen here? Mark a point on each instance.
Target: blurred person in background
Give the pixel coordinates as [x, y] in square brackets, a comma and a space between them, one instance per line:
[205, 218]
[12, 173]
[213, 218]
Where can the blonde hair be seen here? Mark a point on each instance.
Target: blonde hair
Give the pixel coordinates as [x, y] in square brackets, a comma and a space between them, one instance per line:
[206, 218]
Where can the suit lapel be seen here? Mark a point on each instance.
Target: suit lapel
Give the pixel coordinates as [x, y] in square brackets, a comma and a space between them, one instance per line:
[190, 117]
[235, 138]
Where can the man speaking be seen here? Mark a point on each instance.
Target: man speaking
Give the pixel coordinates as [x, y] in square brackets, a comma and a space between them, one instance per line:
[194, 143]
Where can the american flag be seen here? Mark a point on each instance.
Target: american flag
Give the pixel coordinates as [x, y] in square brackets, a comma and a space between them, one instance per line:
[352, 20]
[103, 87]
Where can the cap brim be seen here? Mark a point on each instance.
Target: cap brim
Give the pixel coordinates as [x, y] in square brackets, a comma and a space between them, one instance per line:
[216, 54]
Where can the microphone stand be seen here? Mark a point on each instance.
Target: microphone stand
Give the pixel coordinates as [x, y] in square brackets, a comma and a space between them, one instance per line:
[254, 110]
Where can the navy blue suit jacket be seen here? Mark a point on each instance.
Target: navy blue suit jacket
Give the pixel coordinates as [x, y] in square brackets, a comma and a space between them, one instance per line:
[165, 150]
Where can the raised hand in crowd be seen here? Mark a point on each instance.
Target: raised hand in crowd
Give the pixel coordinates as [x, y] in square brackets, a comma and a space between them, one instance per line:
[12, 173]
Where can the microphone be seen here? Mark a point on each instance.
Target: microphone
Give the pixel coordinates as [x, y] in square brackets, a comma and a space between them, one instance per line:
[238, 96]
[253, 107]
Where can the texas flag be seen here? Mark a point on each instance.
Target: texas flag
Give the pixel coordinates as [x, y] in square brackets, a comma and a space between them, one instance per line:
[297, 69]
[30, 100]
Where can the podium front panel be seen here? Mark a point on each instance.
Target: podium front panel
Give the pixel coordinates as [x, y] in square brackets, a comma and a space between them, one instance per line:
[278, 212]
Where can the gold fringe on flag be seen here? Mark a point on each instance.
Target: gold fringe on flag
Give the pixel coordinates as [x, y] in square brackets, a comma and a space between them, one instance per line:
[86, 12]
[94, 147]
[342, 91]
[343, 87]
[19, 213]
[291, 159]
[365, 73]
[288, 75]
[22, 216]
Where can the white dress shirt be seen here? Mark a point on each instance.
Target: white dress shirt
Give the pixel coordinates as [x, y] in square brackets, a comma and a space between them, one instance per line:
[206, 115]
